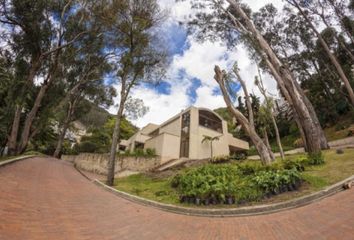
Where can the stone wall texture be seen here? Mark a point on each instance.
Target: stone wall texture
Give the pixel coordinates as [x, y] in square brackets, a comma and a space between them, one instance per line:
[97, 163]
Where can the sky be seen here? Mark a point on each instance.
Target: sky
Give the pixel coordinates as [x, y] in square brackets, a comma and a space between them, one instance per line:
[189, 80]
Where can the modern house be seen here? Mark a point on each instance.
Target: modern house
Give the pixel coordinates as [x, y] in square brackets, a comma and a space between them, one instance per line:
[182, 136]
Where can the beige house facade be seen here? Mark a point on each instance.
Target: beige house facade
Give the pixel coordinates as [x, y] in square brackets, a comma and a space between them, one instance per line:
[182, 137]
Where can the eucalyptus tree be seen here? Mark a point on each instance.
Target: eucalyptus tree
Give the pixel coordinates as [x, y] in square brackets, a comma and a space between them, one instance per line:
[85, 85]
[38, 31]
[299, 5]
[231, 21]
[268, 112]
[223, 79]
[342, 10]
[134, 35]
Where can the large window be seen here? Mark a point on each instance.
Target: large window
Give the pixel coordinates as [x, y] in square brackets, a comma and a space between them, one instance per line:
[185, 130]
[210, 120]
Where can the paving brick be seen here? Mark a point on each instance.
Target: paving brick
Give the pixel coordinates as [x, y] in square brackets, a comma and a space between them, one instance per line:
[45, 198]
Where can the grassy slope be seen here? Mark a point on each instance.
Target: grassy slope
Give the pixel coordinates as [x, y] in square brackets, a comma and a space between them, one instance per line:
[337, 168]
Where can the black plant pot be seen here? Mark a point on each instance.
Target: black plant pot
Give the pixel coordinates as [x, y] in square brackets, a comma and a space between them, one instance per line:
[283, 189]
[229, 201]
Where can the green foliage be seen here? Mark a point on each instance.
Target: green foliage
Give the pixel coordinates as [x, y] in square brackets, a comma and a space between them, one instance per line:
[298, 164]
[97, 142]
[239, 182]
[277, 181]
[220, 159]
[315, 158]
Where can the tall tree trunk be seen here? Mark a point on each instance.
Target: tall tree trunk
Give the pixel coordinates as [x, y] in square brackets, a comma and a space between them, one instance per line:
[331, 56]
[277, 136]
[115, 140]
[312, 129]
[30, 118]
[271, 110]
[12, 139]
[247, 97]
[25, 136]
[266, 139]
[264, 152]
[65, 127]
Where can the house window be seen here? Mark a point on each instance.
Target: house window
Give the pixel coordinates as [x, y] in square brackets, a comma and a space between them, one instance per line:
[210, 120]
[185, 130]
[139, 145]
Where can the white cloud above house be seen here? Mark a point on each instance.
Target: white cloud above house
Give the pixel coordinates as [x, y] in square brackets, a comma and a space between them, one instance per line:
[197, 61]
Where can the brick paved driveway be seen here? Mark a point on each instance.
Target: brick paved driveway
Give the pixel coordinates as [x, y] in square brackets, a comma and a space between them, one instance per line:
[44, 198]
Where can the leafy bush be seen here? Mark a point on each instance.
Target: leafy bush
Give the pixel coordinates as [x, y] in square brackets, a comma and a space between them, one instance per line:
[249, 168]
[87, 147]
[234, 183]
[278, 181]
[298, 164]
[220, 159]
[239, 156]
[150, 152]
[315, 158]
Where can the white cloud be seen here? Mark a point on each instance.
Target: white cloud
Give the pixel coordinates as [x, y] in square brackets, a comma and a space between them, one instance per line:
[197, 61]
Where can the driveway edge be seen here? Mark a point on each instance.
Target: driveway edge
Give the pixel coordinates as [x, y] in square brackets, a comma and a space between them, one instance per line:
[232, 212]
[6, 162]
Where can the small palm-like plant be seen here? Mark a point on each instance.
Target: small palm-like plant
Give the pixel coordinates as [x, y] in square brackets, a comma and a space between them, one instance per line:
[211, 140]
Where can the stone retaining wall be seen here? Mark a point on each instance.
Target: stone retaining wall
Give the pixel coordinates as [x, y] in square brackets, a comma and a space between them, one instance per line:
[97, 163]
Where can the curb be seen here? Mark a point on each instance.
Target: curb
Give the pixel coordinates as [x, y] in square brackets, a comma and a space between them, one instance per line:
[6, 162]
[232, 212]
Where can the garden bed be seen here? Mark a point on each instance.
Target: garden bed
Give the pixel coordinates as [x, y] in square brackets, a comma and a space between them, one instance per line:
[315, 178]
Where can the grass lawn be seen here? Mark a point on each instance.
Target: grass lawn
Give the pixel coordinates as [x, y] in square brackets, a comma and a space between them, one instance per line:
[337, 167]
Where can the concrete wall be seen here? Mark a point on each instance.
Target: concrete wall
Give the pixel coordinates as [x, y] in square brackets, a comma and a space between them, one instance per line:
[173, 127]
[220, 147]
[166, 146]
[97, 163]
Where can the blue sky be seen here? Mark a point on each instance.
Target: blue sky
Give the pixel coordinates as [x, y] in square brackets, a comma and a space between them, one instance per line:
[189, 79]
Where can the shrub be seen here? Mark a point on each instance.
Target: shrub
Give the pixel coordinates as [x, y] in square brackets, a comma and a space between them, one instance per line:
[298, 164]
[244, 183]
[220, 159]
[278, 181]
[239, 156]
[315, 158]
[87, 147]
[250, 168]
[150, 152]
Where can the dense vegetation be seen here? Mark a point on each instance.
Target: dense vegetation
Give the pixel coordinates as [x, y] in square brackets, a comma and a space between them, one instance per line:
[240, 183]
